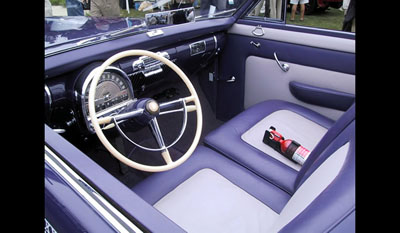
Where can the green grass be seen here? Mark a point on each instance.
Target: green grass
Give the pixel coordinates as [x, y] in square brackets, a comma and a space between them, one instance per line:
[329, 19]
[57, 2]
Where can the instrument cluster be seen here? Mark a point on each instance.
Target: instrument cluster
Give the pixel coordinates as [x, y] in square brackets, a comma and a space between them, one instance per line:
[113, 93]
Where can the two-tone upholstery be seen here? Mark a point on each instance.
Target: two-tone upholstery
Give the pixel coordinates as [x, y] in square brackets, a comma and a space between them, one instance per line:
[215, 192]
[211, 193]
[241, 138]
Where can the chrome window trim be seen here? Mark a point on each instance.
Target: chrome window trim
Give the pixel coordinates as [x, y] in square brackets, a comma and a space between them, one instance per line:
[108, 212]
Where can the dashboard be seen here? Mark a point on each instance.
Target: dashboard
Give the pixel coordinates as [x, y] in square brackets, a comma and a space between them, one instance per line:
[66, 95]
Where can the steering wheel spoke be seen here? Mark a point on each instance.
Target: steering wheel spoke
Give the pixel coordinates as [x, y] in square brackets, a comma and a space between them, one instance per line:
[189, 99]
[155, 128]
[118, 118]
[166, 156]
[128, 115]
[105, 120]
[146, 111]
[176, 106]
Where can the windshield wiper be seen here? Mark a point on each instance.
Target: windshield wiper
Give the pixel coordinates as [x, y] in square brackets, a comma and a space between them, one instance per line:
[143, 24]
[86, 40]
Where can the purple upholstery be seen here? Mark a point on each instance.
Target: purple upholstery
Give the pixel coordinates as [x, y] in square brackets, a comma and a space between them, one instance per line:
[321, 96]
[253, 159]
[342, 130]
[158, 185]
[333, 209]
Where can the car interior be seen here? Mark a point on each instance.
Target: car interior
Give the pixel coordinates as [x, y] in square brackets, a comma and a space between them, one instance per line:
[186, 113]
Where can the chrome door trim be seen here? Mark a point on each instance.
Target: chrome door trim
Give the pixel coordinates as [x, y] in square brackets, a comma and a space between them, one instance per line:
[108, 212]
[301, 38]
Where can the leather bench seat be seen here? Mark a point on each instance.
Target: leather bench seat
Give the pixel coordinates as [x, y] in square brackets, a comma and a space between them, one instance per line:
[240, 139]
[212, 193]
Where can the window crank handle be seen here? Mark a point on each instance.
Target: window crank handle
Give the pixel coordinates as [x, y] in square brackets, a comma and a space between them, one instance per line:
[255, 44]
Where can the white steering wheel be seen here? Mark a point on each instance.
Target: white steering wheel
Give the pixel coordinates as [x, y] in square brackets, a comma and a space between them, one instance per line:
[151, 109]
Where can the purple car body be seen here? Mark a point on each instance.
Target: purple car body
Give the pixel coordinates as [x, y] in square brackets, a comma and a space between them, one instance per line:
[80, 195]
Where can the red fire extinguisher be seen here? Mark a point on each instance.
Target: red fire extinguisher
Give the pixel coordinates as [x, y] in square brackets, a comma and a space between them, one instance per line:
[289, 148]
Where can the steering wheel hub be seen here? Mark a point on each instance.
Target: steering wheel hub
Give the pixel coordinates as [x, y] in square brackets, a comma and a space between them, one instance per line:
[152, 107]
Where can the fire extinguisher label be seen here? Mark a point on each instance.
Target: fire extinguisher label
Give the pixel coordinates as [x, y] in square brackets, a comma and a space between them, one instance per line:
[300, 155]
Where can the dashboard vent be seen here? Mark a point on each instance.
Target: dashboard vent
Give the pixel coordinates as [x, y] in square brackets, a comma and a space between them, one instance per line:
[149, 66]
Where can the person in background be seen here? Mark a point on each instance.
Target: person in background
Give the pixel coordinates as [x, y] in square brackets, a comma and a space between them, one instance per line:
[294, 8]
[177, 4]
[349, 24]
[104, 8]
[276, 9]
[257, 9]
[74, 8]
[48, 11]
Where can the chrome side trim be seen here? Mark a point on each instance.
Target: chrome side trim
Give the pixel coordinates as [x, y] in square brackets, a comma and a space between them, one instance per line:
[108, 212]
[48, 228]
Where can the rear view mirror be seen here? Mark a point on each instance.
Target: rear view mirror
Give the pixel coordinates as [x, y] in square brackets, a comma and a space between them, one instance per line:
[178, 16]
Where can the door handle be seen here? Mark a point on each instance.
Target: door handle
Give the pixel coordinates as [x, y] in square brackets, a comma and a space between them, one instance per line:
[231, 80]
[285, 67]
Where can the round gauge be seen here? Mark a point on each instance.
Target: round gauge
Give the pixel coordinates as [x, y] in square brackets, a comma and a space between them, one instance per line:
[113, 92]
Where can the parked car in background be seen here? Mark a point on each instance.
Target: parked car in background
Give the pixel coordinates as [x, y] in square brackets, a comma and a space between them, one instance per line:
[319, 5]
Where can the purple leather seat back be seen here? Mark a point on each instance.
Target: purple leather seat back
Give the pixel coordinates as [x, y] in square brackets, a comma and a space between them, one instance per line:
[339, 133]
[334, 209]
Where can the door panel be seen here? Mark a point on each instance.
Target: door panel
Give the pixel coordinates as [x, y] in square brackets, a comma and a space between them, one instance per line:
[293, 37]
[264, 80]
[320, 62]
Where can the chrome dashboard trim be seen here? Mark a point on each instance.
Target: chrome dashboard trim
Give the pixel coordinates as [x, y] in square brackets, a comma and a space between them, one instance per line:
[149, 66]
[108, 212]
[191, 46]
[47, 90]
[215, 42]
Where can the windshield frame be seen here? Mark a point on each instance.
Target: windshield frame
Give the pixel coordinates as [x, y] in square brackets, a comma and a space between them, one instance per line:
[94, 39]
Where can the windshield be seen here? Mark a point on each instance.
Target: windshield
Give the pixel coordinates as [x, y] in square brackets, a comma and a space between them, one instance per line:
[75, 23]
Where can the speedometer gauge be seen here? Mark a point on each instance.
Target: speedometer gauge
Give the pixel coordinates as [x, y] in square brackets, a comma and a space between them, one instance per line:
[113, 92]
